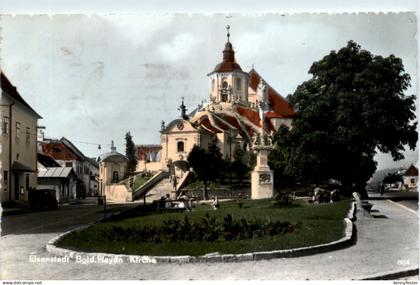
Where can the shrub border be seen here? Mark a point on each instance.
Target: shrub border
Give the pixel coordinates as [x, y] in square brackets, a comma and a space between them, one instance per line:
[348, 239]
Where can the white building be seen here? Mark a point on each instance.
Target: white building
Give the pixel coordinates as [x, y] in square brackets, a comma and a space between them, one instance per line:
[18, 140]
[230, 114]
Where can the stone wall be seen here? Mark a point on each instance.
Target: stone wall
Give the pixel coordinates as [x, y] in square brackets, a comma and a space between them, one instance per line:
[118, 193]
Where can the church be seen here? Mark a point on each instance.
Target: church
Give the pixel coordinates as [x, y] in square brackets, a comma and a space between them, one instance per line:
[230, 113]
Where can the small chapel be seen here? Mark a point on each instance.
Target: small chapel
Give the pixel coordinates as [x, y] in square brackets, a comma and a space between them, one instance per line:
[230, 113]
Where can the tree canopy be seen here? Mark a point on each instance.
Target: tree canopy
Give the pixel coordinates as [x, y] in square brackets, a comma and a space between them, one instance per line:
[353, 106]
[207, 164]
[130, 153]
[392, 178]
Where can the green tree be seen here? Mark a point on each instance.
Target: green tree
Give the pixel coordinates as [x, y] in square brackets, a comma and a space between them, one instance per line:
[353, 106]
[215, 160]
[239, 166]
[278, 158]
[392, 178]
[206, 164]
[130, 153]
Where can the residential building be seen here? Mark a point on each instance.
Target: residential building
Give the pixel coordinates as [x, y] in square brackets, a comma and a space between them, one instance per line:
[411, 178]
[148, 156]
[68, 155]
[18, 140]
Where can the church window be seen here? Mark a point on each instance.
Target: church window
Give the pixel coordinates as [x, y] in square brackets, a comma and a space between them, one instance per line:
[238, 84]
[224, 85]
[224, 97]
[180, 146]
[115, 177]
[213, 83]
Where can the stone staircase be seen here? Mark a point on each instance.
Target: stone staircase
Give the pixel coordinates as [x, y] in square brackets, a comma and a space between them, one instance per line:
[160, 189]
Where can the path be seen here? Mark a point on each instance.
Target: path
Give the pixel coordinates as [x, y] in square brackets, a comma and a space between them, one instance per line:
[384, 245]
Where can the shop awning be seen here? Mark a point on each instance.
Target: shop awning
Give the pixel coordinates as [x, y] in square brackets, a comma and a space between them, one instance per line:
[20, 167]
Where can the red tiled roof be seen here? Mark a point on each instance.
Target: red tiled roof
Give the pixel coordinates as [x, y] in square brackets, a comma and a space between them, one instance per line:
[207, 124]
[11, 90]
[250, 114]
[254, 117]
[281, 108]
[227, 66]
[59, 151]
[412, 171]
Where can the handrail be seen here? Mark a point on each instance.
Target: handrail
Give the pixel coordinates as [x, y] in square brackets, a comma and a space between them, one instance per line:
[146, 187]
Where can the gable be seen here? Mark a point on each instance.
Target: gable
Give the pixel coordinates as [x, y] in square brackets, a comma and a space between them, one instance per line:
[180, 126]
[58, 151]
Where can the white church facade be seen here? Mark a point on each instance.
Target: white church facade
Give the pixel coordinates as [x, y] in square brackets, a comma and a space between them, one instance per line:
[230, 114]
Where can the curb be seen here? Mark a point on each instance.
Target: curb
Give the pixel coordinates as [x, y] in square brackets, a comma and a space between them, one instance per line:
[394, 274]
[347, 240]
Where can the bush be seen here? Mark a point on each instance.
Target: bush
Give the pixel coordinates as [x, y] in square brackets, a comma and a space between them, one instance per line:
[208, 229]
[284, 200]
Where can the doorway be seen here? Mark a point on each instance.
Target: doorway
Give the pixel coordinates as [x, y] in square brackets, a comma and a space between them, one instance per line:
[16, 175]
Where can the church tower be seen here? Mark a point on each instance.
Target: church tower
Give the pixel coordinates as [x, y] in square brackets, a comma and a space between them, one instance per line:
[228, 83]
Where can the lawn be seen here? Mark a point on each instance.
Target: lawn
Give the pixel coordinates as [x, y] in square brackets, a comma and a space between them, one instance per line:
[138, 181]
[317, 224]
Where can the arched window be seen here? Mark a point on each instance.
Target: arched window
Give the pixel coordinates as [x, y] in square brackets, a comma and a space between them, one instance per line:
[115, 177]
[224, 85]
[180, 146]
[238, 84]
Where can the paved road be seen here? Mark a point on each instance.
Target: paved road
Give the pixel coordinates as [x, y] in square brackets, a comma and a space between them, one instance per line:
[411, 204]
[387, 243]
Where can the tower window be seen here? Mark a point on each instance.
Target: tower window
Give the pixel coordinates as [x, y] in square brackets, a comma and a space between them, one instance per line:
[224, 85]
[238, 84]
[213, 83]
[180, 146]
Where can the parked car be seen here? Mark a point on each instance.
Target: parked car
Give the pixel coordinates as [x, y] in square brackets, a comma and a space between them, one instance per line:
[43, 198]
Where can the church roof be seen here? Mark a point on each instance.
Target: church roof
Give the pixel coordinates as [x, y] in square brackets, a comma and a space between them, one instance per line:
[106, 156]
[228, 64]
[280, 107]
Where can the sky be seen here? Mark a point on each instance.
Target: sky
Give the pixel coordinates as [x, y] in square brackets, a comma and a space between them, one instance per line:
[93, 78]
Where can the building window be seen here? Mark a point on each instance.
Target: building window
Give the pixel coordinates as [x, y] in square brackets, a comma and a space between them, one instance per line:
[28, 135]
[413, 180]
[17, 130]
[225, 85]
[115, 177]
[5, 125]
[238, 84]
[213, 85]
[69, 164]
[27, 182]
[180, 146]
[5, 180]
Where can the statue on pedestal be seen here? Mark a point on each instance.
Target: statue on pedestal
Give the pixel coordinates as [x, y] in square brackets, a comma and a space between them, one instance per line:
[262, 176]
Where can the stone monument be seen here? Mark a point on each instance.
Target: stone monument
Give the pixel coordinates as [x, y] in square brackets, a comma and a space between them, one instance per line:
[262, 175]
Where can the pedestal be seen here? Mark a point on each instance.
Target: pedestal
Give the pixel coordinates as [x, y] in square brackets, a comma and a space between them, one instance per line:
[262, 176]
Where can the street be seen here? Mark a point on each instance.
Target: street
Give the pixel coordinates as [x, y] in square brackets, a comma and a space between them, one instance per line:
[384, 245]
